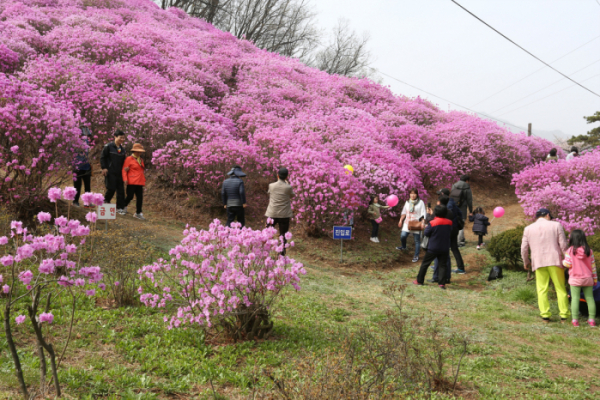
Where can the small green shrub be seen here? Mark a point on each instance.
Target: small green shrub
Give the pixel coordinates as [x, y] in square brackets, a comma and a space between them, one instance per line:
[506, 247]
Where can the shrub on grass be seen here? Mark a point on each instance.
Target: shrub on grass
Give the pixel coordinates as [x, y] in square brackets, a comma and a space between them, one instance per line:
[225, 278]
[506, 247]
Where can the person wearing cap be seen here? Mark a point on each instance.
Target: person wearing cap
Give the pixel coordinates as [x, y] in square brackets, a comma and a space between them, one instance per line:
[82, 169]
[547, 242]
[134, 178]
[112, 159]
[233, 195]
[279, 210]
[574, 153]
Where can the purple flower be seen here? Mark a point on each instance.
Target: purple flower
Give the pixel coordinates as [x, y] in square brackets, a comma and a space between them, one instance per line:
[46, 317]
[47, 266]
[20, 319]
[7, 260]
[44, 217]
[14, 149]
[5, 289]
[54, 194]
[90, 292]
[3, 240]
[91, 217]
[25, 277]
[69, 193]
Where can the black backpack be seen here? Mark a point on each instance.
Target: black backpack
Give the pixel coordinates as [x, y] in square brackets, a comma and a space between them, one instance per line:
[457, 195]
[495, 273]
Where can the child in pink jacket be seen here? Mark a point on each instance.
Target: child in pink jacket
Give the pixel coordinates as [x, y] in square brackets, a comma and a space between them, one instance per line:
[579, 259]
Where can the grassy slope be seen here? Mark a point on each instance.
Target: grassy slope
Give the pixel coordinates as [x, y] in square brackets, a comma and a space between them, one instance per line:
[128, 354]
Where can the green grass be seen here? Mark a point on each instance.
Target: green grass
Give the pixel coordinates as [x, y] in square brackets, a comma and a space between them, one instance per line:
[128, 353]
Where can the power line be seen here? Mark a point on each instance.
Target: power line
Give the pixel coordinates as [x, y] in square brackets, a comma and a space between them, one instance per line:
[551, 94]
[526, 51]
[545, 87]
[456, 104]
[534, 72]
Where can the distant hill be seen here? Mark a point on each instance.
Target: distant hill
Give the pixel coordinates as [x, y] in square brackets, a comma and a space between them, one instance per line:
[553, 135]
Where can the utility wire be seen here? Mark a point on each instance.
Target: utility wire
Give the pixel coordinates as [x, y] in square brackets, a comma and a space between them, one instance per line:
[545, 87]
[456, 104]
[534, 72]
[526, 51]
[551, 94]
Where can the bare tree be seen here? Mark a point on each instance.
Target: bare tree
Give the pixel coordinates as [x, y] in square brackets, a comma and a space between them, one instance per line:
[346, 54]
[205, 9]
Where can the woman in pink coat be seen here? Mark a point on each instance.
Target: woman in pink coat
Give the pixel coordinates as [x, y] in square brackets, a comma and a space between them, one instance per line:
[579, 259]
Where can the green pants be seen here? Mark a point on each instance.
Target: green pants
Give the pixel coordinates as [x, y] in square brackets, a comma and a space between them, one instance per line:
[588, 292]
[542, 281]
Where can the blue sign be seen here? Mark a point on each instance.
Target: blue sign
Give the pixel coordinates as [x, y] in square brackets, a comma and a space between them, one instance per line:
[342, 232]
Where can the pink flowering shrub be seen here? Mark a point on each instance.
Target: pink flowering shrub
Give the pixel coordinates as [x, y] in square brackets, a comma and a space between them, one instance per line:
[227, 278]
[570, 189]
[37, 268]
[201, 100]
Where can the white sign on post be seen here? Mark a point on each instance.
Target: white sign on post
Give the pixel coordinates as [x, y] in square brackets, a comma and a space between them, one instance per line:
[107, 211]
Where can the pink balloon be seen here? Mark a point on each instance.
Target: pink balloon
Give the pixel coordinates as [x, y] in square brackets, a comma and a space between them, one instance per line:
[391, 200]
[498, 212]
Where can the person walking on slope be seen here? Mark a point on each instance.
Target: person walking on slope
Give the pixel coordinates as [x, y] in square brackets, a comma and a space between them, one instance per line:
[233, 195]
[458, 223]
[463, 197]
[547, 242]
[279, 210]
[82, 169]
[579, 259]
[112, 159]
[438, 231]
[411, 221]
[134, 178]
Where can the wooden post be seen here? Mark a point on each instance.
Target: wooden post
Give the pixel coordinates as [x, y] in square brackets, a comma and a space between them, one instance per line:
[529, 129]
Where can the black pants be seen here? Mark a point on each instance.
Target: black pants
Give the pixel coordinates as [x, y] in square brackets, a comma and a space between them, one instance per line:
[114, 183]
[479, 240]
[375, 231]
[234, 213]
[430, 256]
[85, 177]
[284, 227]
[456, 251]
[138, 192]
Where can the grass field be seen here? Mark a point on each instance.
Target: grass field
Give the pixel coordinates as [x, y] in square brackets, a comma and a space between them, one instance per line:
[127, 353]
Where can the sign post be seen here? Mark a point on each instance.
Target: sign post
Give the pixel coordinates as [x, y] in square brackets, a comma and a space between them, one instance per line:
[342, 233]
[106, 212]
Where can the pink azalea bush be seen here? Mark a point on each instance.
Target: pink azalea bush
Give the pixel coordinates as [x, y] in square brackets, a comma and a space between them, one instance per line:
[201, 101]
[36, 266]
[222, 277]
[570, 189]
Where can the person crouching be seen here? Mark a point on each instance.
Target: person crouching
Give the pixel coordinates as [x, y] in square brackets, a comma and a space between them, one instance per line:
[439, 231]
[134, 178]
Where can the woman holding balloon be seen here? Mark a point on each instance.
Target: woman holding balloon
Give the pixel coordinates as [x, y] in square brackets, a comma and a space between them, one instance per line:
[411, 221]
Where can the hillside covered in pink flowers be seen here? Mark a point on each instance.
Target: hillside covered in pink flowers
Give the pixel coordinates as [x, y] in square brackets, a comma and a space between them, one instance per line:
[201, 100]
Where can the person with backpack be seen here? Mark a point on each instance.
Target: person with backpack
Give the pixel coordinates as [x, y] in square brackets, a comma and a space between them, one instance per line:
[579, 260]
[463, 197]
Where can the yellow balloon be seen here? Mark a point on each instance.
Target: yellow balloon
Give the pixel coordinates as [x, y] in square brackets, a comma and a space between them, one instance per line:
[349, 169]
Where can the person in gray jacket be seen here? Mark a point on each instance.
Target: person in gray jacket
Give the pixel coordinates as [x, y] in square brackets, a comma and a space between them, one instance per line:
[233, 196]
[280, 204]
[463, 197]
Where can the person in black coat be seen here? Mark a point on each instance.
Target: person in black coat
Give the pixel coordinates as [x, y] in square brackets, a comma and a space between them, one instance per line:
[112, 159]
[439, 231]
[233, 196]
[480, 224]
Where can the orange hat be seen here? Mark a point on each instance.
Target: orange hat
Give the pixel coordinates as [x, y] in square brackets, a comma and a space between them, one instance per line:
[138, 147]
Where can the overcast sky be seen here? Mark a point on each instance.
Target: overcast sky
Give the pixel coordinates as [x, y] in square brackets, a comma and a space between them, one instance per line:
[436, 46]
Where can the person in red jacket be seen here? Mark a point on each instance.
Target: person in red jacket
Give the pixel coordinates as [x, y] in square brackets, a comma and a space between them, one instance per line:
[134, 178]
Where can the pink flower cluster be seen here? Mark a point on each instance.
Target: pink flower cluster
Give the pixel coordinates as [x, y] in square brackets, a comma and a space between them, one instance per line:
[569, 189]
[201, 101]
[212, 273]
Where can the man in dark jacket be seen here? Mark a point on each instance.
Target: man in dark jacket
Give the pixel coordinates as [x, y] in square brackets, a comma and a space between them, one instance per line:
[462, 195]
[454, 214]
[233, 196]
[82, 169]
[439, 231]
[112, 159]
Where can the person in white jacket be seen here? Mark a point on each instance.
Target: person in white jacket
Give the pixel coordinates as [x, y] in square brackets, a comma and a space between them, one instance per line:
[412, 221]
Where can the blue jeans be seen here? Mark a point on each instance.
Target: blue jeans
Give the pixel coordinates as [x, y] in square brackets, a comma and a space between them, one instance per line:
[417, 237]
